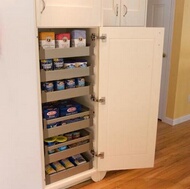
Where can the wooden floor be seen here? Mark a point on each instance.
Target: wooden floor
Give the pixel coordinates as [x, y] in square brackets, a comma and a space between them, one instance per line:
[172, 165]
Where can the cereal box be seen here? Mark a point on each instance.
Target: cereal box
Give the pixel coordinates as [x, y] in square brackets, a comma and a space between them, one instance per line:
[47, 40]
[62, 40]
[78, 38]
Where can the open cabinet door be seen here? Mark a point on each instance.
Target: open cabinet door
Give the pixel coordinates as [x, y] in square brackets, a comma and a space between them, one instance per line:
[129, 79]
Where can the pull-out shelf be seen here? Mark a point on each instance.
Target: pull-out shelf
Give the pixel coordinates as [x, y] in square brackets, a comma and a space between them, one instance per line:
[64, 52]
[84, 144]
[72, 171]
[65, 74]
[68, 127]
[66, 94]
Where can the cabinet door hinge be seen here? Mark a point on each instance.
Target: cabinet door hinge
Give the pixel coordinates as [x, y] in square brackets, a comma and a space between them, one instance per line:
[103, 37]
[101, 100]
[100, 155]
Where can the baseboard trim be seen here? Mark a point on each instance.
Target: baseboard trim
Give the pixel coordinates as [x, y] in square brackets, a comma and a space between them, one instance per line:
[174, 122]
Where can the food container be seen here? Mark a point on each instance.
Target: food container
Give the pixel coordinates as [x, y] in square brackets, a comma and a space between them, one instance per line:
[78, 38]
[80, 82]
[69, 136]
[69, 108]
[46, 64]
[69, 64]
[48, 86]
[47, 40]
[58, 63]
[53, 125]
[70, 83]
[59, 85]
[50, 142]
[62, 40]
[50, 112]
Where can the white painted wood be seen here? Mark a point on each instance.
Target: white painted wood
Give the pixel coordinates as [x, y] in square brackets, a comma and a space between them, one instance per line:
[111, 12]
[64, 13]
[20, 112]
[124, 12]
[98, 176]
[70, 181]
[21, 100]
[161, 14]
[129, 79]
[177, 121]
[133, 12]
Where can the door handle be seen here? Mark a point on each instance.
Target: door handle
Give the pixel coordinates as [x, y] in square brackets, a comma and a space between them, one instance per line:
[126, 10]
[164, 55]
[44, 6]
[117, 10]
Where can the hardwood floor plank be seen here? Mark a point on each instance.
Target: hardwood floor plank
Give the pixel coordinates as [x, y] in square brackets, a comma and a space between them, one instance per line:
[171, 170]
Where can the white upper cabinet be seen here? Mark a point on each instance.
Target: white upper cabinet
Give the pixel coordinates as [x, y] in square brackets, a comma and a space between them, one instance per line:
[126, 12]
[133, 12]
[68, 13]
[111, 12]
[129, 80]
[87, 13]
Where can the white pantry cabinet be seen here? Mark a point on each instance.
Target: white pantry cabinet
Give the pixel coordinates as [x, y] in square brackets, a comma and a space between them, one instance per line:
[59, 13]
[127, 70]
[124, 12]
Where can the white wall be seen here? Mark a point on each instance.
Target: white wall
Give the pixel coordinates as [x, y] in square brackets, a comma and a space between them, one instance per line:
[20, 161]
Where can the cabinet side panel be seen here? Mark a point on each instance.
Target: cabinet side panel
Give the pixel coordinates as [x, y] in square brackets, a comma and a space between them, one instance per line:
[19, 113]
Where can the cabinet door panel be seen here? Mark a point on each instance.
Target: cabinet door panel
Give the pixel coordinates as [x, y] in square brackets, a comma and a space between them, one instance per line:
[59, 13]
[111, 12]
[129, 79]
[133, 12]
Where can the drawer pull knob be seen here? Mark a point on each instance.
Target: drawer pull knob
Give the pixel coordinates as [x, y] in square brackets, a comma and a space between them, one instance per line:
[117, 10]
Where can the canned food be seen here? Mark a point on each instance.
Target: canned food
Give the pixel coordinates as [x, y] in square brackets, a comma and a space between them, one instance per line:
[46, 64]
[58, 63]
[70, 83]
[59, 85]
[48, 86]
[80, 82]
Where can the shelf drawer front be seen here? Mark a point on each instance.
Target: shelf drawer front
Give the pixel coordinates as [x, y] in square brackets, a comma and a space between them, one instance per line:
[70, 172]
[84, 135]
[85, 111]
[64, 53]
[67, 153]
[68, 128]
[66, 94]
[64, 74]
